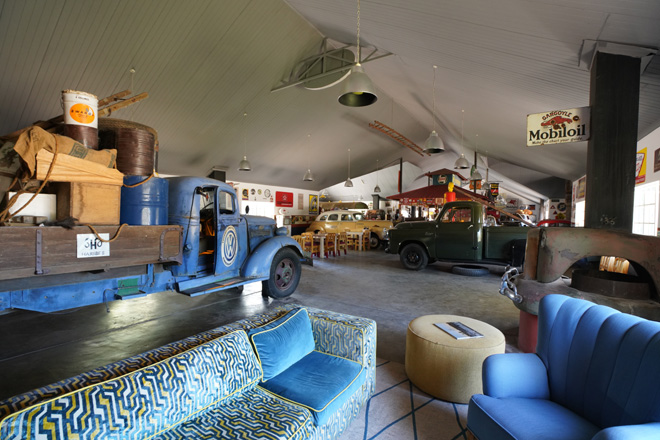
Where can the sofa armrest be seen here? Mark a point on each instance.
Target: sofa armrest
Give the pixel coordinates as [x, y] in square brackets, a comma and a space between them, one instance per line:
[515, 375]
[347, 336]
[627, 432]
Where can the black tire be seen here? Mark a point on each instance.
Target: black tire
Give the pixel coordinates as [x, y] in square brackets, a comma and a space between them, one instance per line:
[284, 275]
[470, 271]
[374, 241]
[413, 257]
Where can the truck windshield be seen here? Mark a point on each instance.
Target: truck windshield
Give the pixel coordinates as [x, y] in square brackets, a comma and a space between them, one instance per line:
[457, 215]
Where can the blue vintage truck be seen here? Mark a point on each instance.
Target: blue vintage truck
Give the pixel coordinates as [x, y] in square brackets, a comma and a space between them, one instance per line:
[207, 245]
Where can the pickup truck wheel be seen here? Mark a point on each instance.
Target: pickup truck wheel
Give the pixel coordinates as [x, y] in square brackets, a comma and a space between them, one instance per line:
[374, 241]
[413, 257]
[285, 274]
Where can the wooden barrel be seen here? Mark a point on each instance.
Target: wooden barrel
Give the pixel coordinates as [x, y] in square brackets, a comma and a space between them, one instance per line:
[135, 145]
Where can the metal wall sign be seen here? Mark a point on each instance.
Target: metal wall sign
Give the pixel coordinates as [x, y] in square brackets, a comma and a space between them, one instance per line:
[558, 126]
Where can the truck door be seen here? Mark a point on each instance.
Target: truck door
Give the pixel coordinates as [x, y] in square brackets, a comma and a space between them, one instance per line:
[231, 237]
[458, 235]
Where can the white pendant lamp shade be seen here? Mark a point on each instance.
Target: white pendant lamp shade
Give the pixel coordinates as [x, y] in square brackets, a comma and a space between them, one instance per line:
[377, 189]
[358, 90]
[461, 163]
[244, 165]
[434, 144]
[348, 183]
[476, 175]
[308, 177]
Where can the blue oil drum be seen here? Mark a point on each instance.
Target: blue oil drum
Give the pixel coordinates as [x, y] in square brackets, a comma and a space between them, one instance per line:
[146, 204]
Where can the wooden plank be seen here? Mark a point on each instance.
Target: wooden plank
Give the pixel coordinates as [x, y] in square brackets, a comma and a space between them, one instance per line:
[111, 108]
[72, 169]
[136, 245]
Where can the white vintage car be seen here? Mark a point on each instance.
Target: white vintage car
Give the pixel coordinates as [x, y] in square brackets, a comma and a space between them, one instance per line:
[339, 221]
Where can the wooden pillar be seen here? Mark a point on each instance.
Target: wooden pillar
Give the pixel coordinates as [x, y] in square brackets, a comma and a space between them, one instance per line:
[614, 101]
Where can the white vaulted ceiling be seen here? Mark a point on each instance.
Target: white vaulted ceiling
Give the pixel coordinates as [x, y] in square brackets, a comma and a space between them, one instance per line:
[206, 62]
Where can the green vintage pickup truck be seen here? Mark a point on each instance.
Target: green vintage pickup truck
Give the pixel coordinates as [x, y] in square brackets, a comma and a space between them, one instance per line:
[457, 234]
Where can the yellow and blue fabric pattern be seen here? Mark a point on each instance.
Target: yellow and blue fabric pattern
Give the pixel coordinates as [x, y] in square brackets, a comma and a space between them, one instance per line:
[146, 402]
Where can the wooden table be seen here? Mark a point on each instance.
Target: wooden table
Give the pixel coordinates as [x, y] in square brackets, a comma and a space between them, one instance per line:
[359, 235]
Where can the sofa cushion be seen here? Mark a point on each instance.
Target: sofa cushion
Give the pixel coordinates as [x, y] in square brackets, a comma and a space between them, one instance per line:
[320, 382]
[283, 342]
[147, 401]
[253, 414]
[519, 418]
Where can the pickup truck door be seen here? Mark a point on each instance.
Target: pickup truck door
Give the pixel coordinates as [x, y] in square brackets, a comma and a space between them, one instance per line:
[457, 235]
[231, 236]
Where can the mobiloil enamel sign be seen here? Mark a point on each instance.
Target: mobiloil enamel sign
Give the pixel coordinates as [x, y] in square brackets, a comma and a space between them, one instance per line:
[558, 126]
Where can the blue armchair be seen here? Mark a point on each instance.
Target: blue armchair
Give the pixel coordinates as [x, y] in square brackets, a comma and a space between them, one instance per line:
[595, 375]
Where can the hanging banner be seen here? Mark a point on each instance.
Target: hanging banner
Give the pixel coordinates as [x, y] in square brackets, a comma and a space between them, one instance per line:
[558, 126]
[640, 167]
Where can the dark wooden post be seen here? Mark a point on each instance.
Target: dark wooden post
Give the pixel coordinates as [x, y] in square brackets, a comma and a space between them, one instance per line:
[614, 101]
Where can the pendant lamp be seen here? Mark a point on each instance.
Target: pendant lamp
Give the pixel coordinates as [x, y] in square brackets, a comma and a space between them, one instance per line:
[434, 144]
[308, 177]
[358, 90]
[244, 165]
[349, 183]
[462, 163]
[377, 188]
[475, 174]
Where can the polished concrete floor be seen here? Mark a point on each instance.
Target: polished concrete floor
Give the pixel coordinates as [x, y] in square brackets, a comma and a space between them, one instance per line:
[38, 349]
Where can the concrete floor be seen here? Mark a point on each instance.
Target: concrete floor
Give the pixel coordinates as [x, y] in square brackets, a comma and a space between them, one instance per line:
[38, 349]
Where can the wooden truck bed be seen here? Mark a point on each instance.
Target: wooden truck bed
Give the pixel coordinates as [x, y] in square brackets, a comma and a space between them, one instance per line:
[35, 251]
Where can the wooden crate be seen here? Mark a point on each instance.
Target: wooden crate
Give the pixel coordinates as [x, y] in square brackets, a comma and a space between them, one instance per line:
[90, 203]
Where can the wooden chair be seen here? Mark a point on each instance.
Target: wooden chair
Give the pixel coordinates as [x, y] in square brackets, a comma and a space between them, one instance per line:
[366, 240]
[309, 245]
[351, 242]
[329, 245]
[341, 242]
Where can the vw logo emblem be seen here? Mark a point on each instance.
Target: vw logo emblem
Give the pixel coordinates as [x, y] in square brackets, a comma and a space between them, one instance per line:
[229, 246]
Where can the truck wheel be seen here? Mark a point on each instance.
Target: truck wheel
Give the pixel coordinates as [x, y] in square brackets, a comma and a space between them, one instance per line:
[284, 275]
[374, 241]
[413, 257]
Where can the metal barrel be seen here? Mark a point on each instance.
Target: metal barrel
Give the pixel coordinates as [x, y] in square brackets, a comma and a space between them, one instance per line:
[146, 204]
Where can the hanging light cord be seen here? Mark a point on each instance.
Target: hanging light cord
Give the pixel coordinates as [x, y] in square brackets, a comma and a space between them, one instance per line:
[358, 33]
[433, 115]
[462, 122]
[349, 163]
[244, 135]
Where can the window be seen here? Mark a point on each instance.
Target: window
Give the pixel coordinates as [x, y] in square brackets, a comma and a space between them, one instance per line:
[333, 217]
[346, 218]
[457, 215]
[645, 213]
[225, 202]
[579, 214]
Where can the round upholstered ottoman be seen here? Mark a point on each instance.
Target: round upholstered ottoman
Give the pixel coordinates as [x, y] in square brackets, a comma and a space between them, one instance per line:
[445, 367]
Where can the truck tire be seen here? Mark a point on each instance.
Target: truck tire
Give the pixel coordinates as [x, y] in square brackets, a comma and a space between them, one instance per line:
[284, 275]
[374, 241]
[413, 257]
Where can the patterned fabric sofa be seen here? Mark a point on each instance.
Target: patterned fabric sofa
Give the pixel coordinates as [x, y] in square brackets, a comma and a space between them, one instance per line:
[290, 373]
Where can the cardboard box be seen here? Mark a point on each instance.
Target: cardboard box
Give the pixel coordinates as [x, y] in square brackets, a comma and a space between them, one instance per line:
[90, 203]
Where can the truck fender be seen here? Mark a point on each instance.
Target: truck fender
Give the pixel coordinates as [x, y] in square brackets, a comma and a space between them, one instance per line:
[258, 265]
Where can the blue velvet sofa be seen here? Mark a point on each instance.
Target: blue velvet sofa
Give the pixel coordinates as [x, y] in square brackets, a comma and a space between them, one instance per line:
[595, 375]
[292, 373]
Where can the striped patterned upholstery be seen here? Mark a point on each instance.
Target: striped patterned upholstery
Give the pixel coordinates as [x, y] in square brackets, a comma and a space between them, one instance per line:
[149, 379]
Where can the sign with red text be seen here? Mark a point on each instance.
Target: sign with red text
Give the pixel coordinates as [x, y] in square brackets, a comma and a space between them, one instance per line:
[558, 126]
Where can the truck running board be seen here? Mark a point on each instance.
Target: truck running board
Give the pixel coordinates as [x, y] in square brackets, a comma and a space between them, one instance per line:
[211, 287]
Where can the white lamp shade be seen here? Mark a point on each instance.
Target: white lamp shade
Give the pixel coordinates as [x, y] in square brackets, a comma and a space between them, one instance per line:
[461, 163]
[476, 175]
[348, 183]
[377, 189]
[358, 90]
[244, 165]
[434, 144]
[308, 177]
